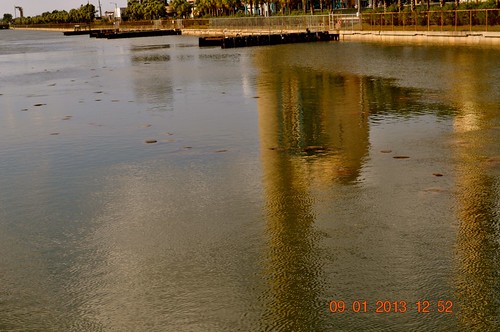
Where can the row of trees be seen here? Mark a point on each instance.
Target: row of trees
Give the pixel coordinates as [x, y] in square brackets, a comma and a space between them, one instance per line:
[254, 7]
[86, 13]
[145, 10]
[398, 5]
[156, 9]
[7, 18]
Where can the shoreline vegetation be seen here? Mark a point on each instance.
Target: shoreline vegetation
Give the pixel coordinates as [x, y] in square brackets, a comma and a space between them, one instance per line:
[470, 23]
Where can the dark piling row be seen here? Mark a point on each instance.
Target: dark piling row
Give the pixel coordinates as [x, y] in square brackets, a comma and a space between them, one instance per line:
[210, 41]
[86, 32]
[113, 34]
[271, 39]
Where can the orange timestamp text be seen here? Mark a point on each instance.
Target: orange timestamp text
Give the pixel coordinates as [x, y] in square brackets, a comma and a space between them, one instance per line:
[388, 306]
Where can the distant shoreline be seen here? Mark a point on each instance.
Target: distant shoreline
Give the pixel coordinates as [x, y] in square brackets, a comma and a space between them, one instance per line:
[419, 37]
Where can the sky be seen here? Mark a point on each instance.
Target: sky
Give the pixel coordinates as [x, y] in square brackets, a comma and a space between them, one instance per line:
[37, 7]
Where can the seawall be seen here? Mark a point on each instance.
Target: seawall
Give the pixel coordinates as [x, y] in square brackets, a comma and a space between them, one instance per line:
[414, 37]
[425, 37]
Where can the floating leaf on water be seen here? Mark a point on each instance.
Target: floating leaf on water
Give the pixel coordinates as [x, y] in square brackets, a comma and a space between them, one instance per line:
[151, 141]
[38, 105]
[437, 174]
[385, 151]
[220, 151]
[54, 134]
[401, 157]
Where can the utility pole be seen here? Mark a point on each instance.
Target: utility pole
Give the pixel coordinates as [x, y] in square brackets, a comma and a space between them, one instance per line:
[21, 14]
[100, 9]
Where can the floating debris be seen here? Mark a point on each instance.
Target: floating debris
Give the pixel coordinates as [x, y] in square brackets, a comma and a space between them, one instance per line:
[437, 174]
[256, 97]
[53, 84]
[98, 92]
[314, 148]
[434, 190]
[401, 157]
[67, 117]
[493, 162]
[115, 100]
[188, 147]
[24, 110]
[151, 141]
[220, 151]
[38, 105]
[54, 134]
[385, 151]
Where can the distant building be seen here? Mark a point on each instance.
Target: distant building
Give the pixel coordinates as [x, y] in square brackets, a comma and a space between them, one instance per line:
[109, 15]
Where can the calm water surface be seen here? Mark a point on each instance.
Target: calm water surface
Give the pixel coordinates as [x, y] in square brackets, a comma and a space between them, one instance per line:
[284, 180]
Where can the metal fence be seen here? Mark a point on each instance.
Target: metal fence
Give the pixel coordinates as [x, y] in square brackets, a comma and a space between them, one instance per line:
[273, 23]
[441, 20]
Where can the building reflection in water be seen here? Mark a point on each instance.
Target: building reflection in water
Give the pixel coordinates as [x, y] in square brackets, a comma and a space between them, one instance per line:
[313, 133]
[157, 86]
[478, 188]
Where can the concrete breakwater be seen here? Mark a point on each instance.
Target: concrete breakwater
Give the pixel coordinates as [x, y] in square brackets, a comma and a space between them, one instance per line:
[419, 37]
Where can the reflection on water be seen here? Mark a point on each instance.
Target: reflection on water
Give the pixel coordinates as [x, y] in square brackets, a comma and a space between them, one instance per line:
[151, 58]
[278, 183]
[478, 185]
[136, 48]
